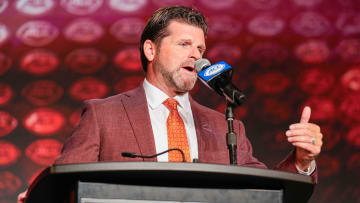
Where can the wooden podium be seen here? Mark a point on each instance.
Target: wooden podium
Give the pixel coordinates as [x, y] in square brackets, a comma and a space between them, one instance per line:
[140, 182]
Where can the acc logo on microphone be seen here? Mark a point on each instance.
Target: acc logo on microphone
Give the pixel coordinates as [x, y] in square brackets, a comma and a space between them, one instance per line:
[214, 69]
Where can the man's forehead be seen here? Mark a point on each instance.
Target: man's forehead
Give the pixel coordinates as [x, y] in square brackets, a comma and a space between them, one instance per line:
[176, 24]
[185, 31]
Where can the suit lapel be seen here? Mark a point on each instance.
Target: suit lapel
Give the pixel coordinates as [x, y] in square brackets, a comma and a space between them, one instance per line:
[203, 128]
[138, 113]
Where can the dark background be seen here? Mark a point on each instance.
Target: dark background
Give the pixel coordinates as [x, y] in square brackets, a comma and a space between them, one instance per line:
[285, 54]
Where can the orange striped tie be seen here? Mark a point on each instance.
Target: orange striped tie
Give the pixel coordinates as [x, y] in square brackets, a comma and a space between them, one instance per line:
[176, 132]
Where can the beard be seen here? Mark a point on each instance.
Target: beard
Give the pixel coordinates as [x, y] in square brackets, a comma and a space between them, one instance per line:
[174, 78]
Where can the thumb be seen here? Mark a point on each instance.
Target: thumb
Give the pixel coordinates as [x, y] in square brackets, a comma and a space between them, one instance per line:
[305, 116]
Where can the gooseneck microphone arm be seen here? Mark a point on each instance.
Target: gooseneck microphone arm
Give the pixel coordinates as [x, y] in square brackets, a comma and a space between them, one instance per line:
[134, 155]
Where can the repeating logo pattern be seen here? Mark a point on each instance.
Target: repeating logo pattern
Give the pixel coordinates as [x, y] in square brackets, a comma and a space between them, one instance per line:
[81, 7]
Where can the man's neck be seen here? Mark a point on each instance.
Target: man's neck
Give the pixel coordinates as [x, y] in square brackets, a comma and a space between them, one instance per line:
[163, 87]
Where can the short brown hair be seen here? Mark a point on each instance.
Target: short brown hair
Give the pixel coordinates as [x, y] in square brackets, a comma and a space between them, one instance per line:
[155, 29]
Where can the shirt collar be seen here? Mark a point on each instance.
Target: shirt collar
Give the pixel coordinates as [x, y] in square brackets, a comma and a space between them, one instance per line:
[155, 97]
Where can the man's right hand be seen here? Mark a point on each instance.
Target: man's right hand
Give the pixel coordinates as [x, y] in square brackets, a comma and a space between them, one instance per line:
[21, 197]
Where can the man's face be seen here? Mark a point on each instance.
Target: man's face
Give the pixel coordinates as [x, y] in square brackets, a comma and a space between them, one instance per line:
[176, 55]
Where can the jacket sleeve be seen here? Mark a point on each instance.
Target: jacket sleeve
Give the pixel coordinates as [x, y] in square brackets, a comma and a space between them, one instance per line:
[288, 164]
[84, 143]
[244, 151]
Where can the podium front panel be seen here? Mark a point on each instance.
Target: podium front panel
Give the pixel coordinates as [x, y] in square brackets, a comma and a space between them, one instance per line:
[120, 193]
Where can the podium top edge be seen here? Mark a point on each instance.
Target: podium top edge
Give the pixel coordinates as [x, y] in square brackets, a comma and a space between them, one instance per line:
[178, 167]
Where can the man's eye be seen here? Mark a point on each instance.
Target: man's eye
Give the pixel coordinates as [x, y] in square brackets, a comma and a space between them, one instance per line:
[183, 44]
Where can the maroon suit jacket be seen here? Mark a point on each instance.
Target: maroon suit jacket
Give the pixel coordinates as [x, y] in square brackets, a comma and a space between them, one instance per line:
[121, 123]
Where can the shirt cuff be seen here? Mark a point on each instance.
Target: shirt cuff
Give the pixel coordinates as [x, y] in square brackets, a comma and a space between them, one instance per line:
[309, 170]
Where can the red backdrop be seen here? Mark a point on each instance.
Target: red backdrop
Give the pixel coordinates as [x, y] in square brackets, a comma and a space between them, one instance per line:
[285, 54]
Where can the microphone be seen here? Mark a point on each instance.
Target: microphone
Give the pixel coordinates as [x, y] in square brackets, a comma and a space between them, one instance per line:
[218, 77]
[134, 155]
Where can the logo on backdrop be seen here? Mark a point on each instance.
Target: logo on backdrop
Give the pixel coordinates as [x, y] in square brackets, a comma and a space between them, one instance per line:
[316, 81]
[126, 5]
[84, 31]
[223, 27]
[264, 4]
[307, 3]
[9, 153]
[351, 79]
[266, 25]
[42, 92]
[5, 63]
[267, 53]
[44, 151]
[4, 34]
[226, 52]
[39, 62]
[6, 93]
[31, 7]
[310, 24]
[323, 109]
[349, 50]
[349, 23]
[44, 121]
[81, 7]
[128, 59]
[3, 5]
[128, 83]
[88, 88]
[272, 83]
[350, 107]
[10, 183]
[312, 51]
[163, 3]
[37, 33]
[85, 61]
[217, 5]
[128, 30]
[7, 123]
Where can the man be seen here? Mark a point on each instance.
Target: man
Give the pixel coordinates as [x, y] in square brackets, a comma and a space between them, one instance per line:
[142, 120]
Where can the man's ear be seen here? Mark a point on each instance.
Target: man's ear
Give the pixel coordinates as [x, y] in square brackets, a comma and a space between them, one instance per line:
[149, 50]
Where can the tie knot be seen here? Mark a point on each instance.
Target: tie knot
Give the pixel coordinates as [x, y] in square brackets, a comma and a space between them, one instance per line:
[171, 104]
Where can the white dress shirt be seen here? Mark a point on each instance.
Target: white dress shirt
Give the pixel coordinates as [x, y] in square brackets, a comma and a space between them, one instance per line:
[158, 117]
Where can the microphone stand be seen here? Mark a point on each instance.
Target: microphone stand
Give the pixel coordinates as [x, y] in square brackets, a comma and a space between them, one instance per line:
[231, 137]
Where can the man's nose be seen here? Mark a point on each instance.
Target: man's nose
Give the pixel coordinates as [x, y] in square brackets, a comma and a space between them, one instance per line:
[195, 53]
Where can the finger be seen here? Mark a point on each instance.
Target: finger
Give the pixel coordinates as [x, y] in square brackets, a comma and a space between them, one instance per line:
[311, 126]
[22, 196]
[305, 116]
[301, 132]
[304, 139]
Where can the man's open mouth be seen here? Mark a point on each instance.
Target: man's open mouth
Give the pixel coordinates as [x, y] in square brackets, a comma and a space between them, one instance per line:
[189, 68]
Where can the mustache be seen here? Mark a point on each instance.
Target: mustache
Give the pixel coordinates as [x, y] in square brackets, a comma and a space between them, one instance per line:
[187, 63]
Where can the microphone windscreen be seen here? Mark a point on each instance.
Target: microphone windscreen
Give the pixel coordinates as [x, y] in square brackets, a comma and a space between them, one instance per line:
[201, 64]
